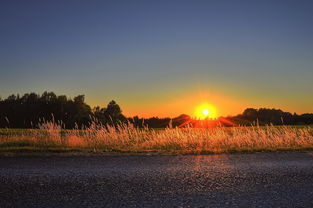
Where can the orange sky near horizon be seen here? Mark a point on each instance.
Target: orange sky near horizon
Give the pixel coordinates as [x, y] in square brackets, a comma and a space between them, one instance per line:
[186, 102]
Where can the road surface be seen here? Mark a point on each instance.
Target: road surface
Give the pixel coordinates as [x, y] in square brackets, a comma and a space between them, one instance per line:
[235, 180]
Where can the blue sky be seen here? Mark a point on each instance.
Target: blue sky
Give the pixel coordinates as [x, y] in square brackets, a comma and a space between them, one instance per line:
[151, 55]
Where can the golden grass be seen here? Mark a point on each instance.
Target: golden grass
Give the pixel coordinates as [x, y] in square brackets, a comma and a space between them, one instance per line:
[127, 138]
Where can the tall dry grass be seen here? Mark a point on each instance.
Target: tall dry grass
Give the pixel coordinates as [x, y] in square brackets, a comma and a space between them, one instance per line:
[127, 138]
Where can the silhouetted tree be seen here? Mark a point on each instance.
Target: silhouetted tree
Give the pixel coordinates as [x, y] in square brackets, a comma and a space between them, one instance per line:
[110, 115]
[250, 114]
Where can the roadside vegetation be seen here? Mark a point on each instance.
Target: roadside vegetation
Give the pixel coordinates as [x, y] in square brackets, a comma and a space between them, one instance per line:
[125, 138]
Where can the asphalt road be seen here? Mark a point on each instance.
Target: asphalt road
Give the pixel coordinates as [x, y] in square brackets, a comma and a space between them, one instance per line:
[238, 180]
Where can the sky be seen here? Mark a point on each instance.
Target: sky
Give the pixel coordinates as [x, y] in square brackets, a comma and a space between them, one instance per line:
[161, 58]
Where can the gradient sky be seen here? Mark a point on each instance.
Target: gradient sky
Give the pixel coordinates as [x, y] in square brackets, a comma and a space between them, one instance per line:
[161, 58]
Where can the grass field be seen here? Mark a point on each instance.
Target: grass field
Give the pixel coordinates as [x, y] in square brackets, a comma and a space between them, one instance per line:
[126, 138]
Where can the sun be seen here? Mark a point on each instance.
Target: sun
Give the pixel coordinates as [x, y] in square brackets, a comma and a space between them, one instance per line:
[205, 111]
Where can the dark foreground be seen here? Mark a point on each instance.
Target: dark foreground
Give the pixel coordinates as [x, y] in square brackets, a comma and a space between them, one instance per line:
[239, 180]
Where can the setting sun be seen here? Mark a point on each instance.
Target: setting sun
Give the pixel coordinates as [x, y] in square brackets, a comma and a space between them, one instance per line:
[205, 111]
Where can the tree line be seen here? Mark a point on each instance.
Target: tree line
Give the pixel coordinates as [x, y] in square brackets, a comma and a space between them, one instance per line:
[29, 110]
[266, 116]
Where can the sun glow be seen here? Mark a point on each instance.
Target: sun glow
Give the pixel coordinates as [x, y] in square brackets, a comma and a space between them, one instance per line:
[205, 111]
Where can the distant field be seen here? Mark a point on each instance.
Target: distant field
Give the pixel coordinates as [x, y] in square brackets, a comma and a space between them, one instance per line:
[128, 139]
